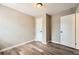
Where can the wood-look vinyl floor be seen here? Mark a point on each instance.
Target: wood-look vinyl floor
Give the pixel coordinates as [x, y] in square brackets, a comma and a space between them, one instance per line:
[37, 48]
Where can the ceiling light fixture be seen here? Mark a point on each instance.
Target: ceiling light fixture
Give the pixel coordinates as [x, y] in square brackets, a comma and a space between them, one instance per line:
[39, 5]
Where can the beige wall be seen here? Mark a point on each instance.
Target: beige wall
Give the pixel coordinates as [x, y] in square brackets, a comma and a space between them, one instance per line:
[15, 27]
[56, 23]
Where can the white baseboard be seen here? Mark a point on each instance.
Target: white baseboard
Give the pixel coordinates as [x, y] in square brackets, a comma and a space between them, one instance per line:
[5, 49]
[41, 41]
[56, 42]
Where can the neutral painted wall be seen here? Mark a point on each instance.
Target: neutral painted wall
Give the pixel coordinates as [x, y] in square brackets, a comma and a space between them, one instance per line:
[56, 23]
[15, 27]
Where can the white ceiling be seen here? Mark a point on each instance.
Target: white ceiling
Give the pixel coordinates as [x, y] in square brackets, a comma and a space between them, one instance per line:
[50, 8]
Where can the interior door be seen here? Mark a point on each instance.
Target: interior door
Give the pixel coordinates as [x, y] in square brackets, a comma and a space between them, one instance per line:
[67, 30]
[39, 28]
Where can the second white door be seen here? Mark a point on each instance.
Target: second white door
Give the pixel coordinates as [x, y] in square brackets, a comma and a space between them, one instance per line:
[67, 30]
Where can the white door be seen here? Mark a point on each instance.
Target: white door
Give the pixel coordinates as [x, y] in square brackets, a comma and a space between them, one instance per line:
[39, 28]
[67, 30]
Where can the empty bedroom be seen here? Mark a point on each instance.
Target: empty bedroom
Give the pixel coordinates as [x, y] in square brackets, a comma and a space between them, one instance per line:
[39, 29]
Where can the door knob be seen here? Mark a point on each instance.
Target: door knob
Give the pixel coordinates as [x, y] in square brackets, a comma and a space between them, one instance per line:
[41, 31]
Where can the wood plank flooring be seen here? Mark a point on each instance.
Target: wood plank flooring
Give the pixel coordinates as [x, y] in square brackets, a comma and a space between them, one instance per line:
[37, 48]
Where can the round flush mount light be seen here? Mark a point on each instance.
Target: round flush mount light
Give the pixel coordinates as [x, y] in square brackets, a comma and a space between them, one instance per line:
[38, 5]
